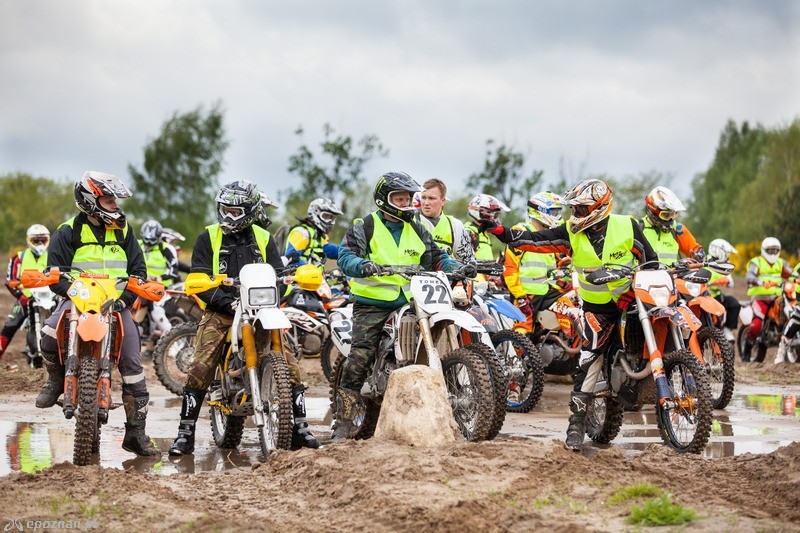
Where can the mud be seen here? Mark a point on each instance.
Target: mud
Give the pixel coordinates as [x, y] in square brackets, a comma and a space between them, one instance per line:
[749, 479]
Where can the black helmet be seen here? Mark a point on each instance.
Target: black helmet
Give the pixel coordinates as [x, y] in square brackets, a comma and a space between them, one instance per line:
[151, 232]
[95, 185]
[393, 182]
[238, 205]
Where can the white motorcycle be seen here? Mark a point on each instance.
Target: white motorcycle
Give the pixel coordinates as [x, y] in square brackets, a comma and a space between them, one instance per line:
[41, 305]
[430, 331]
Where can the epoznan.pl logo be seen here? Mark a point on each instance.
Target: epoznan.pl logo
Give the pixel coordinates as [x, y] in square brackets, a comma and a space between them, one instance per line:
[15, 524]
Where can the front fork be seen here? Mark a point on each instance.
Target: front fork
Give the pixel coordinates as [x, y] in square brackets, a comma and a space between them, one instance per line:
[434, 361]
[251, 364]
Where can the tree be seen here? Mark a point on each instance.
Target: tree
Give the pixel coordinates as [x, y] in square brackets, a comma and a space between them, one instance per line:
[629, 192]
[503, 177]
[181, 165]
[28, 201]
[341, 179]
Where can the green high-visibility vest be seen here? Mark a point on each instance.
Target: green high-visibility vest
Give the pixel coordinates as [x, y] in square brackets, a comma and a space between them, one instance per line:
[313, 253]
[664, 243]
[767, 272]
[616, 249]
[28, 261]
[443, 234]
[108, 258]
[157, 264]
[484, 251]
[215, 234]
[533, 269]
[383, 250]
[715, 290]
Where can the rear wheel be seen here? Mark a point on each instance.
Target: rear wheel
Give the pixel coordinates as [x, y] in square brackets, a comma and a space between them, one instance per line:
[685, 421]
[327, 358]
[173, 356]
[87, 433]
[226, 429]
[470, 391]
[524, 365]
[604, 413]
[718, 360]
[366, 411]
[276, 397]
[741, 336]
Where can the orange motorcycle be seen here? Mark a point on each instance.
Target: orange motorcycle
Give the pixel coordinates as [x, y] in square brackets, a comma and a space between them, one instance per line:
[89, 338]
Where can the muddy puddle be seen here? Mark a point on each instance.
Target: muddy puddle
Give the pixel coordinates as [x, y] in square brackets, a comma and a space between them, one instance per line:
[758, 420]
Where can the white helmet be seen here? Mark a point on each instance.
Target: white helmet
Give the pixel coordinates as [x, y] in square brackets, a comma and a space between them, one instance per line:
[322, 213]
[720, 249]
[662, 207]
[38, 238]
[485, 207]
[770, 249]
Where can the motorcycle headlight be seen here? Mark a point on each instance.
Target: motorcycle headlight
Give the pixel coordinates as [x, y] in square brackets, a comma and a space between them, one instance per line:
[660, 296]
[262, 296]
[694, 289]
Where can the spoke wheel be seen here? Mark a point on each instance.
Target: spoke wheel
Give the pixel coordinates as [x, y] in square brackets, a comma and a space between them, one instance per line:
[276, 397]
[173, 356]
[523, 365]
[471, 393]
[718, 360]
[87, 433]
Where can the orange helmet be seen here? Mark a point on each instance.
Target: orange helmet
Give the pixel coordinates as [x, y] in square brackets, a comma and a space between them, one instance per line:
[591, 202]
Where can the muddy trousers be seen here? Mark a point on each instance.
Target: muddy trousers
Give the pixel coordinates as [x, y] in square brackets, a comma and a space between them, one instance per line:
[368, 322]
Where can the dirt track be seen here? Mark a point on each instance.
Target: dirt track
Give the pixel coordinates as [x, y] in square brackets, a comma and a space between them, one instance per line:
[378, 486]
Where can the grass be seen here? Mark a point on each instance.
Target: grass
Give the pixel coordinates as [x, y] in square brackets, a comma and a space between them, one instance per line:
[633, 492]
[660, 512]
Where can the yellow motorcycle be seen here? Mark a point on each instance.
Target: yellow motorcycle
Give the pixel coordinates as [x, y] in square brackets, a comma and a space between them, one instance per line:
[89, 338]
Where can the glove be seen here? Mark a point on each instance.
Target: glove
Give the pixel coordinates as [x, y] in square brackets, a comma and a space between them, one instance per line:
[118, 306]
[625, 301]
[564, 284]
[23, 301]
[523, 303]
[368, 268]
[469, 271]
[485, 225]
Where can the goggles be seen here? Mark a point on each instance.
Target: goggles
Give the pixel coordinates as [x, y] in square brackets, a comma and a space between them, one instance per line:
[327, 217]
[667, 215]
[39, 240]
[489, 214]
[580, 210]
[772, 251]
[234, 212]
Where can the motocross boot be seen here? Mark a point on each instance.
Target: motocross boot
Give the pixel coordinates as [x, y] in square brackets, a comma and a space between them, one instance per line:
[577, 421]
[301, 434]
[747, 350]
[190, 410]
[136, 440]
[54, 386]
[3, 344]
[343, 426]
[783, 347]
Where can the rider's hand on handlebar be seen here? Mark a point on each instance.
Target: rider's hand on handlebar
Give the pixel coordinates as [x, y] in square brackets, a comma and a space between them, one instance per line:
[119, 306]
[468, 271]
[769, 284]
[625, 300]
[23, 301]
[369, 268]
[523, 303]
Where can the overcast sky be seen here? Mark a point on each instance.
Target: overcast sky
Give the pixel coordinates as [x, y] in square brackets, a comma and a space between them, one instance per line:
[618, 87]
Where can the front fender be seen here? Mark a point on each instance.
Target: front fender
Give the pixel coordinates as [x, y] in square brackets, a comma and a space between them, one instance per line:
[682, 317]
[272, 318]
[707, 304]
[462, 320]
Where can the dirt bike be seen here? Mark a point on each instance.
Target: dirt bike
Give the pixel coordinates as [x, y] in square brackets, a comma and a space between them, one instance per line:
[656, 316]
[519, 358]
[709, 342]
[429, 331]
[252, 379]
[89, 338]
[41, 305]
[779, 312]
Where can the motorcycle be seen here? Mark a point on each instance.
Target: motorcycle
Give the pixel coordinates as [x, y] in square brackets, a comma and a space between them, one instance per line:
[89, 339]
[683, 398]
[431, 331]
[41, 305]
[709, 342]
[778, 314]
[519, 358]
[252, 379]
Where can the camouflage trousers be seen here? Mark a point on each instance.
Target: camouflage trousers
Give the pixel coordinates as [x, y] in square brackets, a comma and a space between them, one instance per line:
[368, 322]
[209, 350]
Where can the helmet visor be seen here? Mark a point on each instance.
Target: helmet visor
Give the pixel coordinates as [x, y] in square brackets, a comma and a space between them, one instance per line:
[489, 214]
[772, 250]
[39, 241]
[667, 215]
[325, 216]
[580, 210]
[234, 212]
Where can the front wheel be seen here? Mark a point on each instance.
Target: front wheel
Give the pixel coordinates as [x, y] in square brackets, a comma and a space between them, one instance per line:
[718, 360]
[685, 419]
[276, 396]
[87, 426]
[524, 365]
[741, 337]
[173, 356]
[327, 358]
[470, 391]
[499, 380]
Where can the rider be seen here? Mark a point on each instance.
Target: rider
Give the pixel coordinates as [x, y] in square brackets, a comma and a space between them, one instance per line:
[448, 231]
[98, 240]
[592, 237]
[38, 239]
[719, 250]
[162, 265]
[526, 272]
[307, 242]
[173, 238]
[764, 277]
[792, 327]
[392, 235]
[224, 248]
[483, 208]
[668, 237]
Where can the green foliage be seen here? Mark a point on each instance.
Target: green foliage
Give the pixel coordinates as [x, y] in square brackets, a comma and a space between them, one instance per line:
[629, 192]
[502, 176]
[29, 200]
[340, 178]
[633, 492]
[660, 512]
[181, 165]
